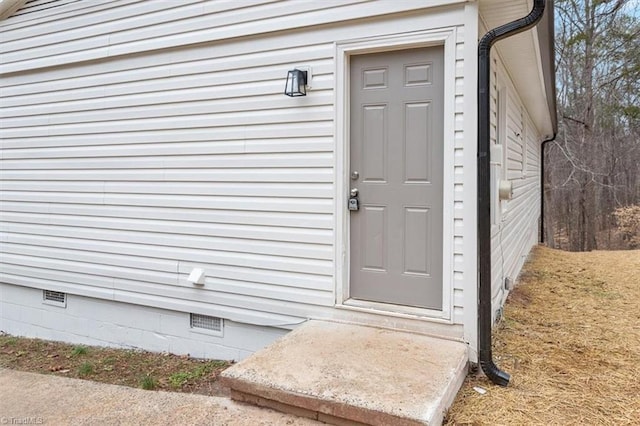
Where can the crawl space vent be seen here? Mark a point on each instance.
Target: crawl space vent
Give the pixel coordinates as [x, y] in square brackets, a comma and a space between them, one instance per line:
[206, 323]
[56, 298]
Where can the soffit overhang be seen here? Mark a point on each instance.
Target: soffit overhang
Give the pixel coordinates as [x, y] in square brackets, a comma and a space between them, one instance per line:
[528, 57]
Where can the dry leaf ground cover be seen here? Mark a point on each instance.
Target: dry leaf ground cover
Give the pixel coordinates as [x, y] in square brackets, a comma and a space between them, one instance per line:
[147, 370]
[570, 338]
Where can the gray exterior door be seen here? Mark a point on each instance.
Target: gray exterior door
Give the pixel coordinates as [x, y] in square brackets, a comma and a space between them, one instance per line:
[396, 156]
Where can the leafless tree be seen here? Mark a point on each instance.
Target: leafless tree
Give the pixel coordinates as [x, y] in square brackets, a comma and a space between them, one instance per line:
[594, 164]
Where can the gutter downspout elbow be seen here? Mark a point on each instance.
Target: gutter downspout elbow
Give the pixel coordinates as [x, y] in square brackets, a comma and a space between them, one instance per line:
[485, 355]
[543, 145]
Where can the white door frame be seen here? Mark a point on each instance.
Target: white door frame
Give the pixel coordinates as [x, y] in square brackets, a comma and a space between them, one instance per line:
[344, 49]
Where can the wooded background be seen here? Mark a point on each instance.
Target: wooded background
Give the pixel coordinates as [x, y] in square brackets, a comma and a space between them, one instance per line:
[592, 176]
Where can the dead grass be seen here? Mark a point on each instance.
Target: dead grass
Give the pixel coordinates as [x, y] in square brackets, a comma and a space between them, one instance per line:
[571, 341]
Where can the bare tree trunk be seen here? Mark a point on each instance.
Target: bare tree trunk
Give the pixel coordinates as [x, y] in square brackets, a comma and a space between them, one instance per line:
[594, 166]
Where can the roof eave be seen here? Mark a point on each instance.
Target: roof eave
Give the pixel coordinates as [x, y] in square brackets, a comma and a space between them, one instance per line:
[9, 7]
[546, 35]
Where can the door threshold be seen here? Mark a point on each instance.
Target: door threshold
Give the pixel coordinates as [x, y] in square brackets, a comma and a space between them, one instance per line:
[389, 309]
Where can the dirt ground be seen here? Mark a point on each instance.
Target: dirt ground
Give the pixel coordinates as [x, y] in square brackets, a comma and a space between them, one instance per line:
[570, 338]
[146, 370]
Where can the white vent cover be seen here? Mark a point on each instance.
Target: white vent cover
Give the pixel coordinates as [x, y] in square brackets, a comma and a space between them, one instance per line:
[56, 298]
[206, 323]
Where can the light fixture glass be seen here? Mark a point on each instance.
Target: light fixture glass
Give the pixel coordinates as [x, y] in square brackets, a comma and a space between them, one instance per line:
[296, 83]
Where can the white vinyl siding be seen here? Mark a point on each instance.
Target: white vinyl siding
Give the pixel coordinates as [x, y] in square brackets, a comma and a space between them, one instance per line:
[90, 34]
[143, 139]
[517, 220]
[40, 6]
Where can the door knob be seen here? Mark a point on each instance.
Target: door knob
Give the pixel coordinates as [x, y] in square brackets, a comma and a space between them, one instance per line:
[354, 192]
[355, 175]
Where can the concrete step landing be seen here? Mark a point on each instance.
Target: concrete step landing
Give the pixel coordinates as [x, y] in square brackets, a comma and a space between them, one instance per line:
[348, 374]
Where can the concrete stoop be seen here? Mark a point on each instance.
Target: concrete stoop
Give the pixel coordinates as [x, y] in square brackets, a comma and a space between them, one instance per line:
[348, 374]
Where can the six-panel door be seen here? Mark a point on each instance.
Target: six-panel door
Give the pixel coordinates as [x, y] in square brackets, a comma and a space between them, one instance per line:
[396, 165]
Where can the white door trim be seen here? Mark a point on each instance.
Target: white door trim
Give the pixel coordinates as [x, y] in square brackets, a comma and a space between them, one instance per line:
[442, 36]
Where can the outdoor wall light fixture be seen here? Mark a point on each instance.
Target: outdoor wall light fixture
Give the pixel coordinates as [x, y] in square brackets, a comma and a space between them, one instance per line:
[296, 83]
